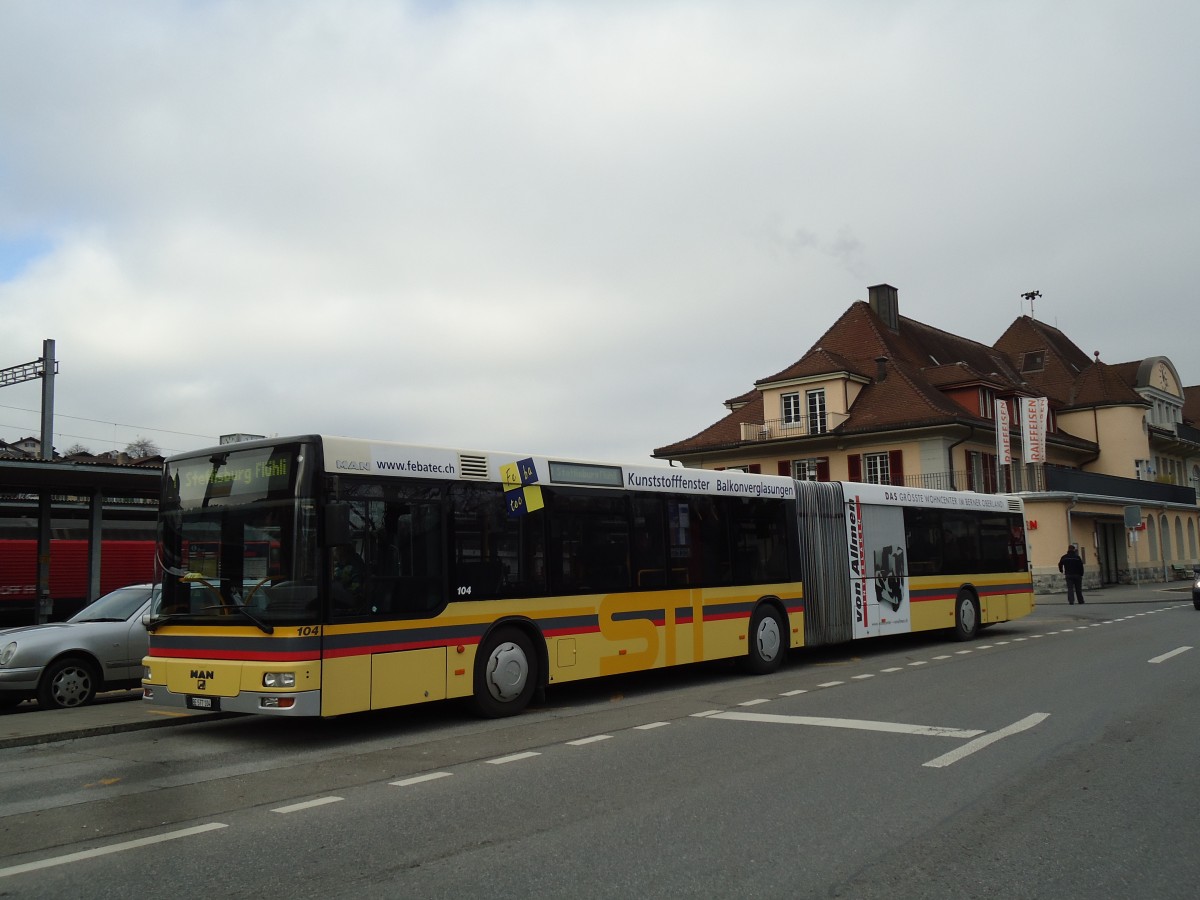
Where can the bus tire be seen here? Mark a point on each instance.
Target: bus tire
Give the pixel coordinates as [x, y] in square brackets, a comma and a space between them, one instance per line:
[966, 616]
[506, 674]
[67, 683]
[767, 641]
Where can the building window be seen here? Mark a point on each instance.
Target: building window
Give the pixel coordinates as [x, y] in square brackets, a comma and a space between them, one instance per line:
[816, 411]
[987, 402]
[876, 466]
[805, 470]
[791, 408]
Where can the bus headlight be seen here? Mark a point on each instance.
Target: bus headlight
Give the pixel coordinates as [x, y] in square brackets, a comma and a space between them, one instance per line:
[279, 679]
[147, 675]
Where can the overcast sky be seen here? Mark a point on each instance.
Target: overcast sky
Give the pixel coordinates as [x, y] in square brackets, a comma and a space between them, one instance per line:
[566, 228]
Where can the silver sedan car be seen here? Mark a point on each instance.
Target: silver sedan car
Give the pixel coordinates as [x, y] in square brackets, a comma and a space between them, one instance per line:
[64, 664]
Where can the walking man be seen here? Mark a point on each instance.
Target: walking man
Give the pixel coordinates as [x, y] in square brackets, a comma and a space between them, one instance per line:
[1072, 568]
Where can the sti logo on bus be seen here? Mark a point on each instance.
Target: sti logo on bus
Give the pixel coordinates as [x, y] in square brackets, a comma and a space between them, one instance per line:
[857, 560]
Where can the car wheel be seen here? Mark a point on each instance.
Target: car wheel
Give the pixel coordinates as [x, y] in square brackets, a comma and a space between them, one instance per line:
[67, 683]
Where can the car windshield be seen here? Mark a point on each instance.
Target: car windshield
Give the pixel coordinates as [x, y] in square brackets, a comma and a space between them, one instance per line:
[237, 538]
[117, 606]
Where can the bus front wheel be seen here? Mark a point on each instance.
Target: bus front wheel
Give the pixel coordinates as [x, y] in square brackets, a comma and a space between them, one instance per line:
[505, 674]
[767, 640]
[966, 616]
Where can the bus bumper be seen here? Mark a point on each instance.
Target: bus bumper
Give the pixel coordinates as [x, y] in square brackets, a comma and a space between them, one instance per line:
[299, 703]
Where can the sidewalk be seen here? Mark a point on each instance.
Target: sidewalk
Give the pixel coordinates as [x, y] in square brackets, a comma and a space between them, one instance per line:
[125, 711]
[110, 713]
[1169, 592]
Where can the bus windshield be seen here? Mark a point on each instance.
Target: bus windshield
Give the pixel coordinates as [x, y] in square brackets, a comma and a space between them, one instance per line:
[237, 538]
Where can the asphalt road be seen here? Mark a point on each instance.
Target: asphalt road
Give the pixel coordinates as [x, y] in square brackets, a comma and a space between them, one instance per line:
[1051, 757]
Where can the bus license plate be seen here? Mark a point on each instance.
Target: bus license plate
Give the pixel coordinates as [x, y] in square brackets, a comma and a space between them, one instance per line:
[208, 704]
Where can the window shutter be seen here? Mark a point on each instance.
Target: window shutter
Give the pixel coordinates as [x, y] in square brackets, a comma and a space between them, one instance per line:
[971, 454]
[785, 467]
[823, 469]
[854, 464]
[896, 466]
[755, 469]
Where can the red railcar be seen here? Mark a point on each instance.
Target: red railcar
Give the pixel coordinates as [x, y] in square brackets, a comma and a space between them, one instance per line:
[121, 563]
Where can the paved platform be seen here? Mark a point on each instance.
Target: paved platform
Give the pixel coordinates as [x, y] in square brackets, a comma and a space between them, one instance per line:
[125, 710]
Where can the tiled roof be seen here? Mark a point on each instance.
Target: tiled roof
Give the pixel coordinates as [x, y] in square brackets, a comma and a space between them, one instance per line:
[1103, 385]
[923, 364]
[725, 433]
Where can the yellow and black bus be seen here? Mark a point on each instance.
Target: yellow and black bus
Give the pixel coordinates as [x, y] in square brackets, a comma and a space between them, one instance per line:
[401, 574]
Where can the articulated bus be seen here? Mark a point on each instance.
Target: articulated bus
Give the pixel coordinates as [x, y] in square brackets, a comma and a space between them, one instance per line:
[401, 574]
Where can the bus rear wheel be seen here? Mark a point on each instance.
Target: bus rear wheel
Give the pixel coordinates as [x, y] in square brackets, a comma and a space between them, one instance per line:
[966, 616]
[767, 640]
[505, 674]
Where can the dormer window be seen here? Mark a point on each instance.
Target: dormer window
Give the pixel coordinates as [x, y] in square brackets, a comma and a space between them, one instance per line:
[1033, 361]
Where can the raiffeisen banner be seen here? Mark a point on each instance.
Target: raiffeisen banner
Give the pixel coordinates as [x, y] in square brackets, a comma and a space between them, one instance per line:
[1034, 412]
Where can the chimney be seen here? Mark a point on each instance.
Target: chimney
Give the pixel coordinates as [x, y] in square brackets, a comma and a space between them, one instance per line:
[885, 303]
[881, 368]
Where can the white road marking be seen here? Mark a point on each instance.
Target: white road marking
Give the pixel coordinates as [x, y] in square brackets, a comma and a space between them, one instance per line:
[1167, 656]
[650, 725]
[920, 662]
[516, 757]
[112, 848]
[896, 669]
[420, 779]
[705, 714]
[856, 724]
[831, 684]
[861, 677]
[757, 702]
[793, 693]
[590, 740]
[967, 749]
[307, 804]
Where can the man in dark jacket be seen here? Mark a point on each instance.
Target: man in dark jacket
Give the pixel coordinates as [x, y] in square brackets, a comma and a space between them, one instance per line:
[1072, 568]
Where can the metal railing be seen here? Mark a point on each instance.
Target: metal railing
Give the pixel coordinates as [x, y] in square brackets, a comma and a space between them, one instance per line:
[783, 429]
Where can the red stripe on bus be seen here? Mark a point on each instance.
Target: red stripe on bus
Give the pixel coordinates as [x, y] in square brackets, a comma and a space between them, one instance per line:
[247, 655]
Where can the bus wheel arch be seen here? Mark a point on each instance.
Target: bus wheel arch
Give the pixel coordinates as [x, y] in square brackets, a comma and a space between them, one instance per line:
[509, 668]
[768, 637]
[966, 614]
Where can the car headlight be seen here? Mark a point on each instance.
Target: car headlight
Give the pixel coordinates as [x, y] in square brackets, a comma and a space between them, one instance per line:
[9, 651]
[279, 679]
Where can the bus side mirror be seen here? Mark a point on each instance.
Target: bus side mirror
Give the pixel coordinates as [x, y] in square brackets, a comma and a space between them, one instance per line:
[337, 525]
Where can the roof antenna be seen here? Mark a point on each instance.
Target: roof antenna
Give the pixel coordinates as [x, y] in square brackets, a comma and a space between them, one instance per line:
[1030, 296]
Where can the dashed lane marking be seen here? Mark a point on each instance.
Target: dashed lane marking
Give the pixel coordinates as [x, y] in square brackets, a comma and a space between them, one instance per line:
[420, 779]
[307, 804]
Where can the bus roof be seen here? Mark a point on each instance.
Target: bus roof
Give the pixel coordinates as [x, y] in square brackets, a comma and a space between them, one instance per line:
[356, 456]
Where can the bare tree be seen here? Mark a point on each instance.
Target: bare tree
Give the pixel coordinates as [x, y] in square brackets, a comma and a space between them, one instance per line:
[141, 447]
[77, 448]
